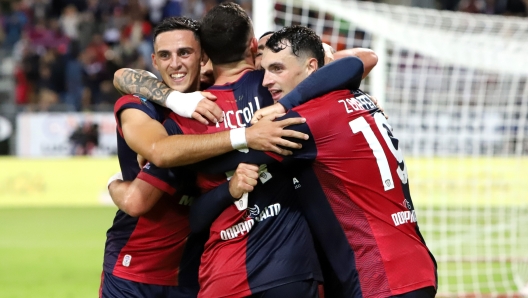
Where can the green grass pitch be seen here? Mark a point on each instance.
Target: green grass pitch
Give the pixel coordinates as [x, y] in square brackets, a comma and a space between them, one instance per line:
[52, 252]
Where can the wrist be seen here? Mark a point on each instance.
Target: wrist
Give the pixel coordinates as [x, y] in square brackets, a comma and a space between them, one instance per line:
[242, 202]
[116, 176]
[183, 104]
[172, 100]
[238, 139]
[293, 99]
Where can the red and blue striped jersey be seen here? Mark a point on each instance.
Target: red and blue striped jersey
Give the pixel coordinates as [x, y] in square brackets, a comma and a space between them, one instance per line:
[358, 184]
[268, 243]
[353, 184]
[154, 248]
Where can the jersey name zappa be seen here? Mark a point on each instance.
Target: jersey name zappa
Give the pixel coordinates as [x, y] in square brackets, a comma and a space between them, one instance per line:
[357, 103]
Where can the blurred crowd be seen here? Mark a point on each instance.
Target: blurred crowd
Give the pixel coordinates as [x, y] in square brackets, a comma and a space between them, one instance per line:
[65, 52]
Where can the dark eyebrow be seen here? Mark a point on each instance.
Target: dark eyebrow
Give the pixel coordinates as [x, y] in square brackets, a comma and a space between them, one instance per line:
[276, 64]
[162, 52]
[185, 49]
[261, 47]
[177, 50]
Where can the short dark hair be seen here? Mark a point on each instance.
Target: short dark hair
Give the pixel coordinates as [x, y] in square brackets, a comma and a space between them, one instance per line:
[225, 33]
[303, 41]
[177, 23]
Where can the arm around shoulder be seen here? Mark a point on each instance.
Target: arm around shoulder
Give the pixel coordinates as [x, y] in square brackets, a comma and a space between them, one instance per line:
[367, 56]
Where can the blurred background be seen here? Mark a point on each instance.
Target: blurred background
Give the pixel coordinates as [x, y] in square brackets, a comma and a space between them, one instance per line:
[452, 76]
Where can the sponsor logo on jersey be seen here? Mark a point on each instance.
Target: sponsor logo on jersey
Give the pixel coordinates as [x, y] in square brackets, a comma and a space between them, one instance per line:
[241, 117]
[407, 204]
[254, 214]
[404, 217]
[270, 211]
[239, 229]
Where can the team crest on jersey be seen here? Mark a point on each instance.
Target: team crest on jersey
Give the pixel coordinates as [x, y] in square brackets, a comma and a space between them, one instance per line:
[126, 260]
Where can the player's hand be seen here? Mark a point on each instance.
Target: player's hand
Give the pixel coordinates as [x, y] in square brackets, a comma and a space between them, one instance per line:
[375, 100]
[277, 108]
[267, 135]
[329, 53]
[141, 161]
[244, 180]
[207, 110]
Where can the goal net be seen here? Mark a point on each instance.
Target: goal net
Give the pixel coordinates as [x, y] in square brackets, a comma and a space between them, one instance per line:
[455, 87]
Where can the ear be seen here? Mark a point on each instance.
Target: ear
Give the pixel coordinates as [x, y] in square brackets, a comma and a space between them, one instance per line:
[311, 65]
[253, 45]
[204, 59]
[154, 61]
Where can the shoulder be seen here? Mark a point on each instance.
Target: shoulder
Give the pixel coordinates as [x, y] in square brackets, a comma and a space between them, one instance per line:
[154, 111]
[250, 79]
[128, 99]
[255, 77]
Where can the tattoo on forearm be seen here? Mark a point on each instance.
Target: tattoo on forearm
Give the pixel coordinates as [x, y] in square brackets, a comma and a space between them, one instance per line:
[136, 81]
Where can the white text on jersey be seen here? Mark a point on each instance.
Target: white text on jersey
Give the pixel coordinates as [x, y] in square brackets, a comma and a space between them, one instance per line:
[239, 118]
[239, 229]
[245, 227]
[403, 217]
[361, 102]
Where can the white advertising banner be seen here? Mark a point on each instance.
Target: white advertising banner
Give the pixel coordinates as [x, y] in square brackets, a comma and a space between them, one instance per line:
[65, 134]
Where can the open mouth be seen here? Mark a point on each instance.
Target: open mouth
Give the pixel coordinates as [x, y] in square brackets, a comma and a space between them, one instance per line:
[276, 94]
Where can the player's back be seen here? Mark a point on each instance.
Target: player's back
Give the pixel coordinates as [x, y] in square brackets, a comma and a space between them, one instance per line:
[148, 249]
[357, 187]
[268, 243]
[238, 100]
[264, 245]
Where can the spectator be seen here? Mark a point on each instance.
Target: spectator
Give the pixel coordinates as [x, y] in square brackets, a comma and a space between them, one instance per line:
[69, 22]
[173, 8]
[85, 139]
[74, 83]
[14, 24]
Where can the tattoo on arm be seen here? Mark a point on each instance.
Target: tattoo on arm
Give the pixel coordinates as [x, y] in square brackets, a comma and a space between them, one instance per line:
[137, 81]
